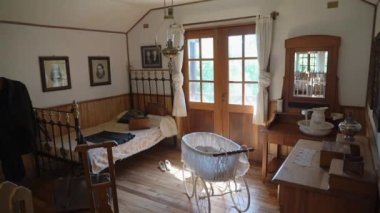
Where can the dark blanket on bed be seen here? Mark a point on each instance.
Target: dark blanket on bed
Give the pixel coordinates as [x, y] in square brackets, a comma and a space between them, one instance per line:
[99, 137]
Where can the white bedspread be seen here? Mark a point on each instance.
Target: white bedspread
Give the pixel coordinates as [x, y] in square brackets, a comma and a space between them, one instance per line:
[167, 124]
[161, 127]
[144, 139]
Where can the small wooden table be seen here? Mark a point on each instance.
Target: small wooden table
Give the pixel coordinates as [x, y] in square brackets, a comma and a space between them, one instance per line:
[309, 188]
[282, 133]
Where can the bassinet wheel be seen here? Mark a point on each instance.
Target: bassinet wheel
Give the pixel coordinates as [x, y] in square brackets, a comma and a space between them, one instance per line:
[188, 181]
[240, 193]
[202, 196]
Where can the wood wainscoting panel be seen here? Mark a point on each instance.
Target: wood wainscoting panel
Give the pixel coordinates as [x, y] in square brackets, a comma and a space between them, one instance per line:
[94, 112]
[201, 120]
[243, 132]
[241, 128]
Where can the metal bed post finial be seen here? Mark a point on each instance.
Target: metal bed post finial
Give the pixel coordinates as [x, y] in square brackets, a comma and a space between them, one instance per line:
[67, 118]
[75, 109]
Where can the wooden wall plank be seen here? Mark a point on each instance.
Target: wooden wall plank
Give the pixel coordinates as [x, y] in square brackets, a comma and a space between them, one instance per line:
[201, 120]
[94, 112]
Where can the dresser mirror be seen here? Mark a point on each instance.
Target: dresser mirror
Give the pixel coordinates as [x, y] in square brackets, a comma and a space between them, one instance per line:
[311, 72]
[310, 69]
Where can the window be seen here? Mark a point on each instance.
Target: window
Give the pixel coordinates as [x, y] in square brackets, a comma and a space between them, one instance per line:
[201, 70]
[243, 69]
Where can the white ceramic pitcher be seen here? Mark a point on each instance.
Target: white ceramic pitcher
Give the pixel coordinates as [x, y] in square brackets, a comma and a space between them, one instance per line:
[318, 117]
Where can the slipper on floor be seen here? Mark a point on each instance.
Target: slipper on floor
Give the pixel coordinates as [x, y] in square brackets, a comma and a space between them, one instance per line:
[168, 165]
[161, 166]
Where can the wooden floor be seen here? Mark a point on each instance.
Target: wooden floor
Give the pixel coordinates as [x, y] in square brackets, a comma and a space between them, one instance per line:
[142, 187]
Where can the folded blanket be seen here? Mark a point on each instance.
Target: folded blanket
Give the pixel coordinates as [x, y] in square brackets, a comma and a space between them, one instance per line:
[168, 126]
[99, 137]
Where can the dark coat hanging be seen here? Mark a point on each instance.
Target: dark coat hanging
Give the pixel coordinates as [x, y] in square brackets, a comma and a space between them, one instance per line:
[17, 127]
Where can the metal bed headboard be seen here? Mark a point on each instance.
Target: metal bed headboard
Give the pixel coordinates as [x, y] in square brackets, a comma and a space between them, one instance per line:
[151, 86]
[52, 125]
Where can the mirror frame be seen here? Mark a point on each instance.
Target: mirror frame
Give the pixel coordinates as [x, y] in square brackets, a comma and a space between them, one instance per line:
[311, 43]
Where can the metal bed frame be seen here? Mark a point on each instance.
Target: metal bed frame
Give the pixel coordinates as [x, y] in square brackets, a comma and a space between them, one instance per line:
[146, 86]
[52, 125]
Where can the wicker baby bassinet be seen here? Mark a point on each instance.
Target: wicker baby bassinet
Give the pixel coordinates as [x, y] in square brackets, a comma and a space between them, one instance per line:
[205, 154]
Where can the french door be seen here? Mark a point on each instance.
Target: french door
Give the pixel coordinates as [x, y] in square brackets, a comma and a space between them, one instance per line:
[221, 80]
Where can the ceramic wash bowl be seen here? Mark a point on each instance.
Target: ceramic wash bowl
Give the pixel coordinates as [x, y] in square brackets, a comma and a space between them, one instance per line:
[320, 130]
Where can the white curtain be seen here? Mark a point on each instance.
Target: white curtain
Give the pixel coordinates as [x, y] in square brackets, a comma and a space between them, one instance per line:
[264, 26]
[179, 104]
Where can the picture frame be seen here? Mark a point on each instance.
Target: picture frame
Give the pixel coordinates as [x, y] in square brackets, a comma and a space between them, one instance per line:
[151, 56]
[55, 73]
[100, 71]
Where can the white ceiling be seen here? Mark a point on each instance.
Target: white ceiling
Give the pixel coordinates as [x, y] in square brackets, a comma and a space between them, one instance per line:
[112, 15]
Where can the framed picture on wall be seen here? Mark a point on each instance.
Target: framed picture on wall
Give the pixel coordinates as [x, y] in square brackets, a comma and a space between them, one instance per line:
[55, 73]
[151, 56]
[100, 72]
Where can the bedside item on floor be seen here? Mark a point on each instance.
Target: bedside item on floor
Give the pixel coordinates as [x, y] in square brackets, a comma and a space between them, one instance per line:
[168, 165]
[14, 198]
[164, 166]
[316, 126]
[349, 128]
[161, 166]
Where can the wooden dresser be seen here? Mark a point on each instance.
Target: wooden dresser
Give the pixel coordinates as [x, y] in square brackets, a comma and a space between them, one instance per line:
[284, 131]
[306, 187]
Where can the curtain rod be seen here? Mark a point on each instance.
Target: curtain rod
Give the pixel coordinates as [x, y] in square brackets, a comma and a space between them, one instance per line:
[273, 15]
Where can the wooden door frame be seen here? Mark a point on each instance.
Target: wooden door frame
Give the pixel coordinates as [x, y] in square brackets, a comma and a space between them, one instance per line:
[220, 81]
[202, 33]
[225, 32]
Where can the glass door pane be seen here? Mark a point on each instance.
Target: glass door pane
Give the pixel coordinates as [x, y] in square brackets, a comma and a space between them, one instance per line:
[201, 70]
[243, 69]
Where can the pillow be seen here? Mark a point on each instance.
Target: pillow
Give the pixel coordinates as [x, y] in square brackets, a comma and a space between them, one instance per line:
[155, 120]
[121, 114]
[156, 109]
[138, 123]
[133, 113]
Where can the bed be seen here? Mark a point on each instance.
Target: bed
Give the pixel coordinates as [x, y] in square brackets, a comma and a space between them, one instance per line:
[60, 132]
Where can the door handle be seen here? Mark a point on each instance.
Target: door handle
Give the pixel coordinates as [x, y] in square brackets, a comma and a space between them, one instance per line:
[224, 96]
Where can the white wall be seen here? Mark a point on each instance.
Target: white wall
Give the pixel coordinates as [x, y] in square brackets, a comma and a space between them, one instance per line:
[352, 21]
[20, 47]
